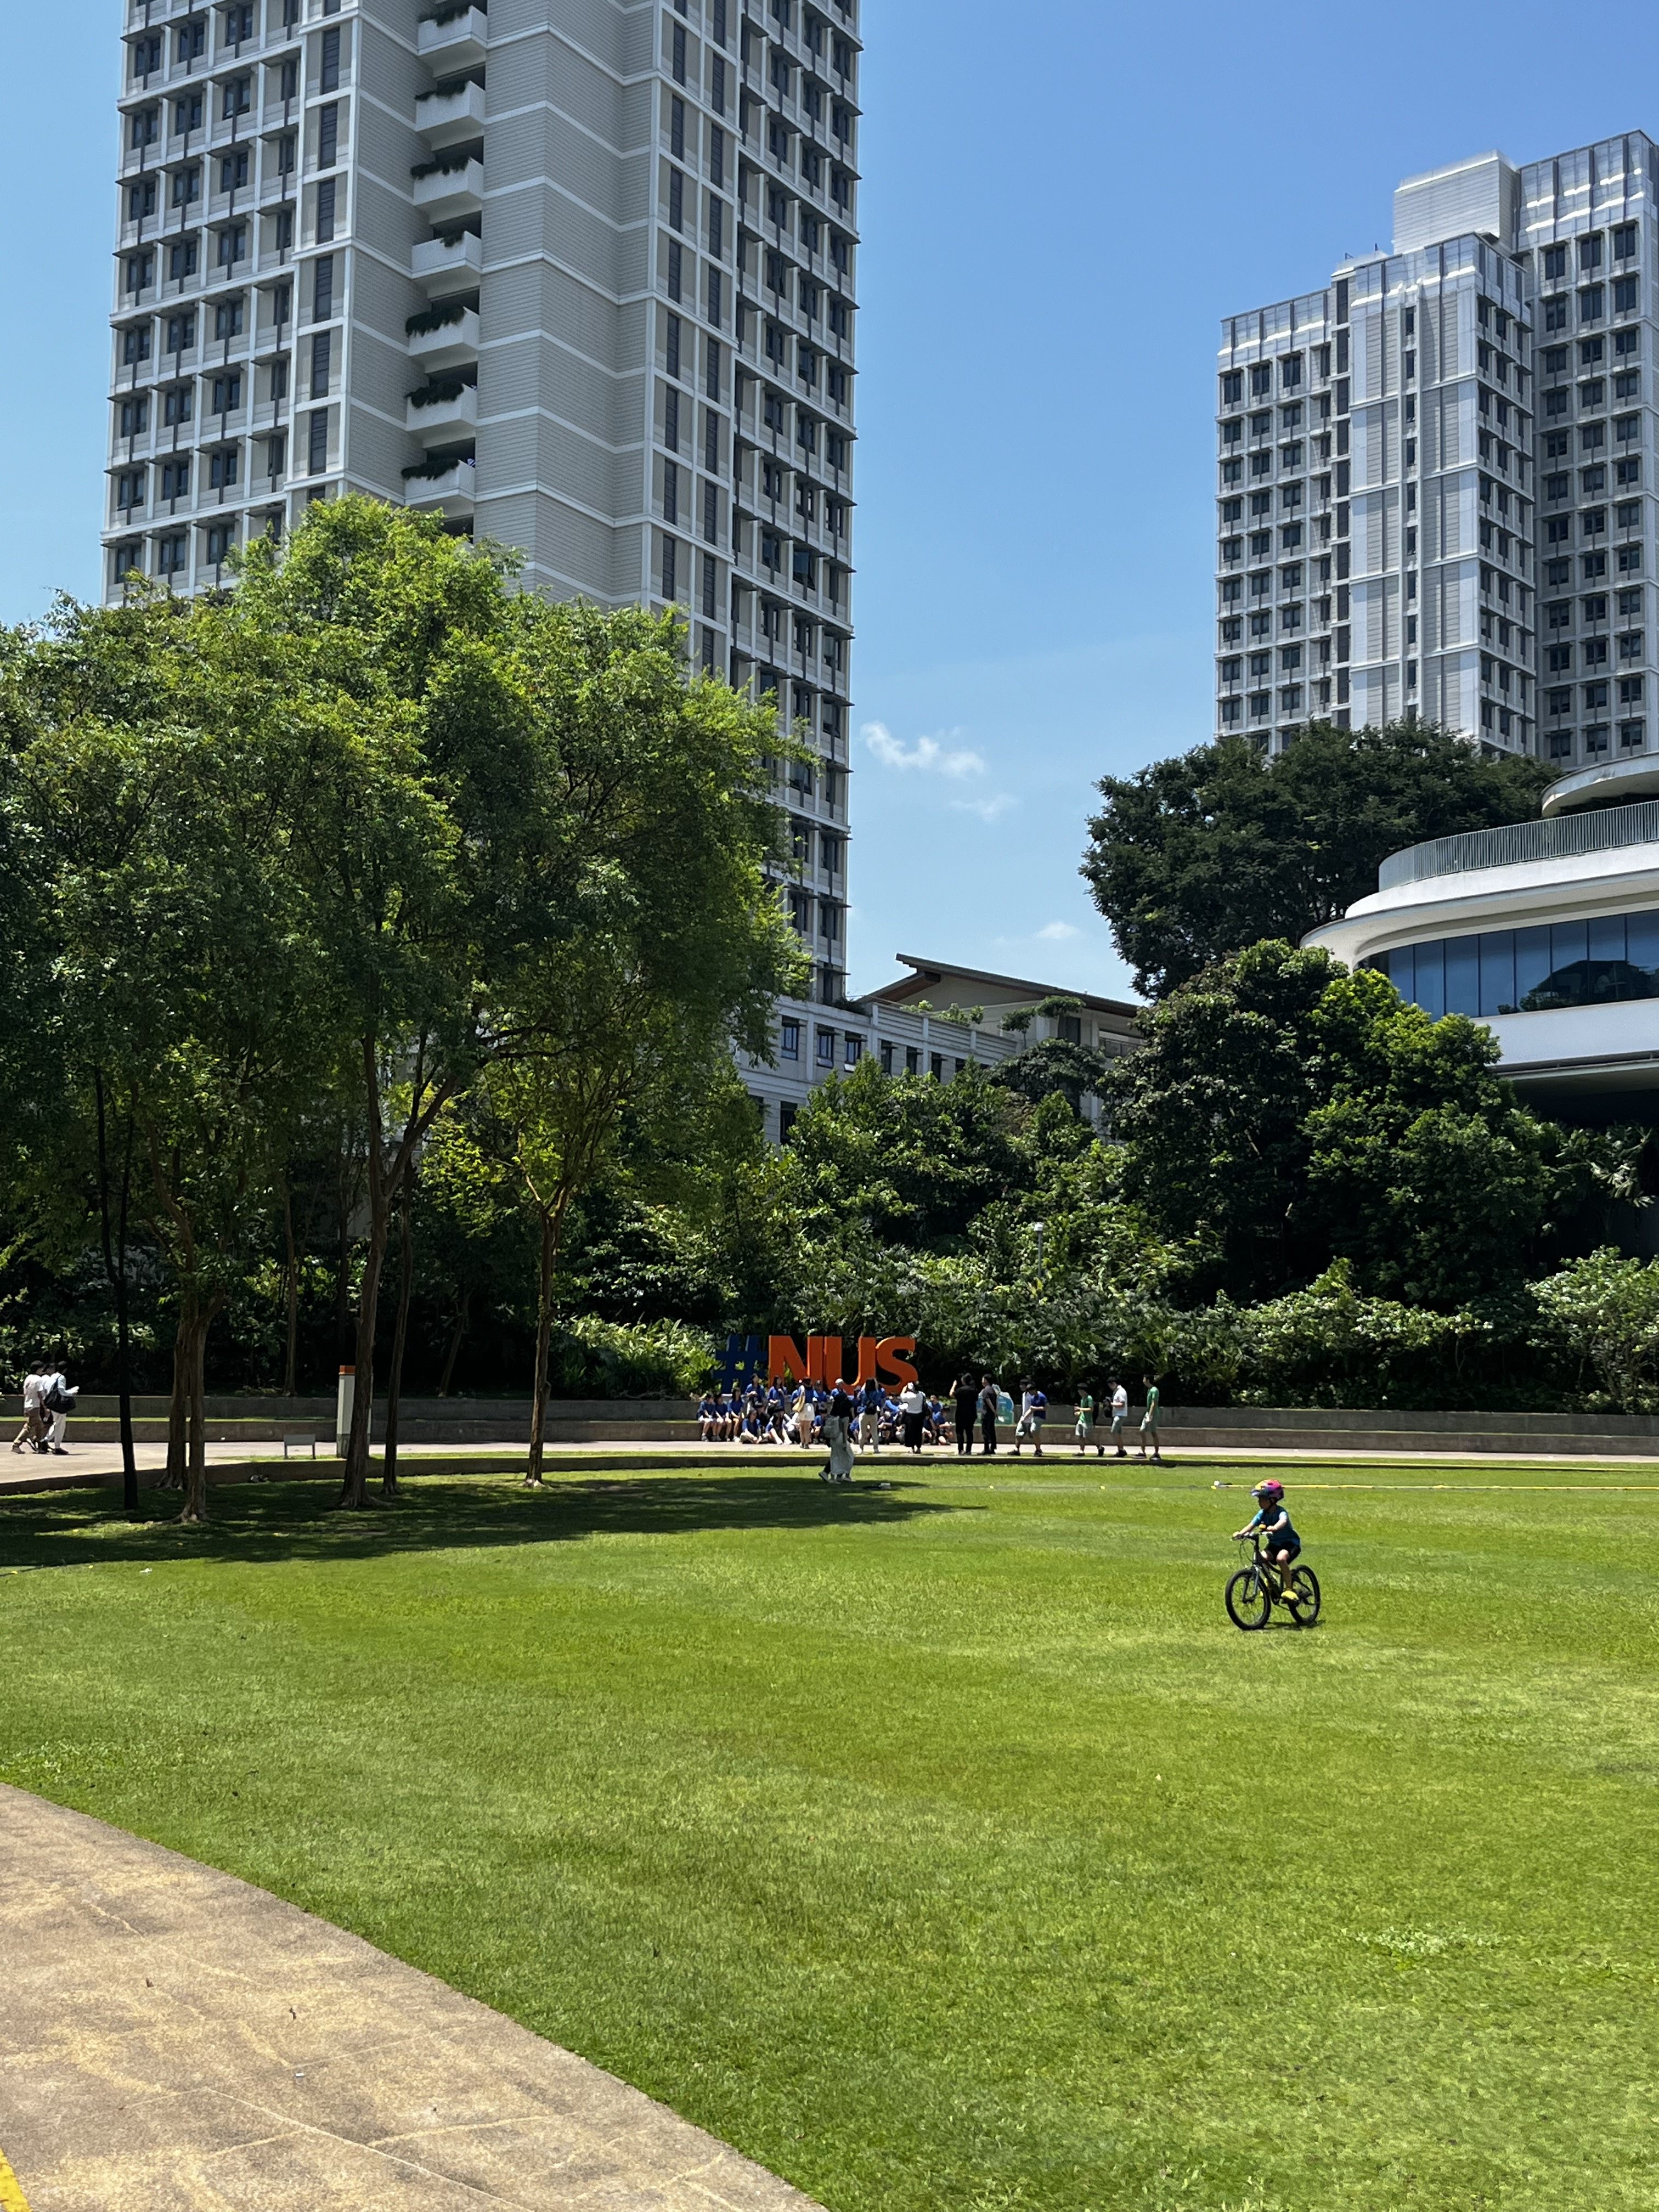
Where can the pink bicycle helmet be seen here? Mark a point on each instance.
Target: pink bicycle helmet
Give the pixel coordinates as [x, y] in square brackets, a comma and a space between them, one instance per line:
[1271, 1491]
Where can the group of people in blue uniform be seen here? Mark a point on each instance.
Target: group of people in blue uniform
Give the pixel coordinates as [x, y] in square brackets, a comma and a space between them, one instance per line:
[782, 1413]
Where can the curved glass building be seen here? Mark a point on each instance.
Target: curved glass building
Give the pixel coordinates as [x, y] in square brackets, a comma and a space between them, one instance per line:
[1546, 931]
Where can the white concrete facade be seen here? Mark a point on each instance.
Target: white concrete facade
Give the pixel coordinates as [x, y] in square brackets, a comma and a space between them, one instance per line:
[1547, 932]
[1436, 475]
[934, 1022]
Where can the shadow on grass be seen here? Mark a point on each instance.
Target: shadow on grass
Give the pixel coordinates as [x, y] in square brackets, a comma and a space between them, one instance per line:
[279, 1521]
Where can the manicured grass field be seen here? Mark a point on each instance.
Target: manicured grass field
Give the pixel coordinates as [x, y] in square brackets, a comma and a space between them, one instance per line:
[943, 1847]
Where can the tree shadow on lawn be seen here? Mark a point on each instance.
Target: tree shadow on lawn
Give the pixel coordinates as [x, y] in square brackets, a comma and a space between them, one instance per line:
[277, 1521]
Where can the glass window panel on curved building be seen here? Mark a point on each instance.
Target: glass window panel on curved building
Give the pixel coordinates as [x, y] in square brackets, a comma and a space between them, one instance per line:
[1470, 488]
[1600, 961]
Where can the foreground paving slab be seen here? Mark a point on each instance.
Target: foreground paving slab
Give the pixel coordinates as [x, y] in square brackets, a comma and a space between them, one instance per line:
[172, 2040]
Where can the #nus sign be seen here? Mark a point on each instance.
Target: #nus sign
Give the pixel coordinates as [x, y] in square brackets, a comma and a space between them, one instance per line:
[880, 1358]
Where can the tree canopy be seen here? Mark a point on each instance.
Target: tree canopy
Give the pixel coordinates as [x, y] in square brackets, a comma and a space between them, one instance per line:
[1192, 859]
[1286, 1114]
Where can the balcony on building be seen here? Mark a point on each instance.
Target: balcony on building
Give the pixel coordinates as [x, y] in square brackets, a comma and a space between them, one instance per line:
[451, 116]
[442, 487]
[454, 40]
[449, 191]
[444, 338]
[444, 266]
[443, 413]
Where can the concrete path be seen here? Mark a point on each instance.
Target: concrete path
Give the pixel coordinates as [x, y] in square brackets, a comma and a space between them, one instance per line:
[172, 2040]
[86, 1464]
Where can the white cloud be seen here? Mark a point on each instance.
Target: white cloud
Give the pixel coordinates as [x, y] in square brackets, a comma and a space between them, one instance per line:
[1058, 933]
[988, 809]
[933, 756]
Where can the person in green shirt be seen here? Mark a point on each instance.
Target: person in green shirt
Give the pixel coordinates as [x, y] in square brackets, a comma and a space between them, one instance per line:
[1149, 1421]
[1086, 1411]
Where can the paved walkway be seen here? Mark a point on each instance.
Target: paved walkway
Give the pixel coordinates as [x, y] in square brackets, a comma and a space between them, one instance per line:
[174, 2041]
[86, 1464]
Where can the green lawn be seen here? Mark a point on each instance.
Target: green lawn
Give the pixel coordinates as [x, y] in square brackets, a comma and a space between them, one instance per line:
[943, 1847]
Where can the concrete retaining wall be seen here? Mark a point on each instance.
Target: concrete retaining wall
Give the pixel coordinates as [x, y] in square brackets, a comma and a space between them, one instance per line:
[668, 1420]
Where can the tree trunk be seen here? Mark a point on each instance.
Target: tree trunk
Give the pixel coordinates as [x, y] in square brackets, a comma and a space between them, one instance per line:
[552, 1236]
[454, 1350]
[193, 1360]
[124, 1343]
[354, 1489]
[115, 1266]
[400, 1338]
[291, 1287]
[177, 1411]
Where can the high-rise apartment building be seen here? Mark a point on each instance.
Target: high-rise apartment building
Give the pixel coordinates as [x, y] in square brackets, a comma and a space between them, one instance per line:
[579, 276]
[1436, 485]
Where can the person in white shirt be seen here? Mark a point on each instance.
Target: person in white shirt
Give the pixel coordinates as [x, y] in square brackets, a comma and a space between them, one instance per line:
[1119, 1417]
[56, 1399]
[34, 1386]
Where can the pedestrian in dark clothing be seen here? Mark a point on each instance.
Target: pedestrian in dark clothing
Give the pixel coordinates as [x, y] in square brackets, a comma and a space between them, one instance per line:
[967, 1410]
[987, 1415]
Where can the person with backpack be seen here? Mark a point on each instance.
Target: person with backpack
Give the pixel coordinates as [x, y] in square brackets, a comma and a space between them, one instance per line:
[57, 1404]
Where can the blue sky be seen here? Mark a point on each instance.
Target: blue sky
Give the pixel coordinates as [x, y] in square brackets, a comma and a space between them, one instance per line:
[1055, 222]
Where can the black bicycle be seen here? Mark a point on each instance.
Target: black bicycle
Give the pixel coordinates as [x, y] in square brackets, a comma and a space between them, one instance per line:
[1254, 1591]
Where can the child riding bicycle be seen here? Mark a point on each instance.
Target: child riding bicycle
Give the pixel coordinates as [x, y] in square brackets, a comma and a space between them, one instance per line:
[1273, 1524]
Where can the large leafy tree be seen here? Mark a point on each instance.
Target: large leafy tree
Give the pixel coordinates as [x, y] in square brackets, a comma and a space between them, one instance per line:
[179, 1029]
[1195, 857]
[915, 1160]
[677, 946]
[1285, 1114]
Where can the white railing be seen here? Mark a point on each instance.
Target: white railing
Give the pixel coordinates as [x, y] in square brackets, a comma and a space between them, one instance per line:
[1606, 829]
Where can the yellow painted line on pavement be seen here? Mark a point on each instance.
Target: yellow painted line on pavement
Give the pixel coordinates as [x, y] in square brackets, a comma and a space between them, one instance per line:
[12, 2198]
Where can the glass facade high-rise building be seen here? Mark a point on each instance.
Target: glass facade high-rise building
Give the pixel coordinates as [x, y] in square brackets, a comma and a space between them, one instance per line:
[1436, 488]
[578, 275]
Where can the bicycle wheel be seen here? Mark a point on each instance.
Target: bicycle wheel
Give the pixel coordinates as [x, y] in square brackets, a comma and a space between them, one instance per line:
[1305, 1583]
[1247, 1603]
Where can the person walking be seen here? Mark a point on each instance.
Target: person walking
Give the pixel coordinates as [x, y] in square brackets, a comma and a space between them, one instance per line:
[1033, 1412]
[1149, 1420]
[838, 1435]
[34, 1385]
[912, 1411]
[1119, 1417]
[966, 1409]
[800, 1414]
[1085, 1423]
[870, 1398]
[989, 1394]
[57, 1404]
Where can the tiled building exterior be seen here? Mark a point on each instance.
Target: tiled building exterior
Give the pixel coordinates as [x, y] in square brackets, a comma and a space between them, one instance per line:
[579, 276]
[1435, 477]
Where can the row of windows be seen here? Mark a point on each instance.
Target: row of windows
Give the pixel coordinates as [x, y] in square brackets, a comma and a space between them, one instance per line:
[170, 553]
[1593, 304]
[1593, 524]
[231, 171]
[1623, 241]
[238, 23]
[217, 468]
[181, 258]
[231, 99]
[1599, 962]
[227, 319]
[225, 393]
[1598, 741]
[847, 1047]
[1592, 355]
[1293, 699]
